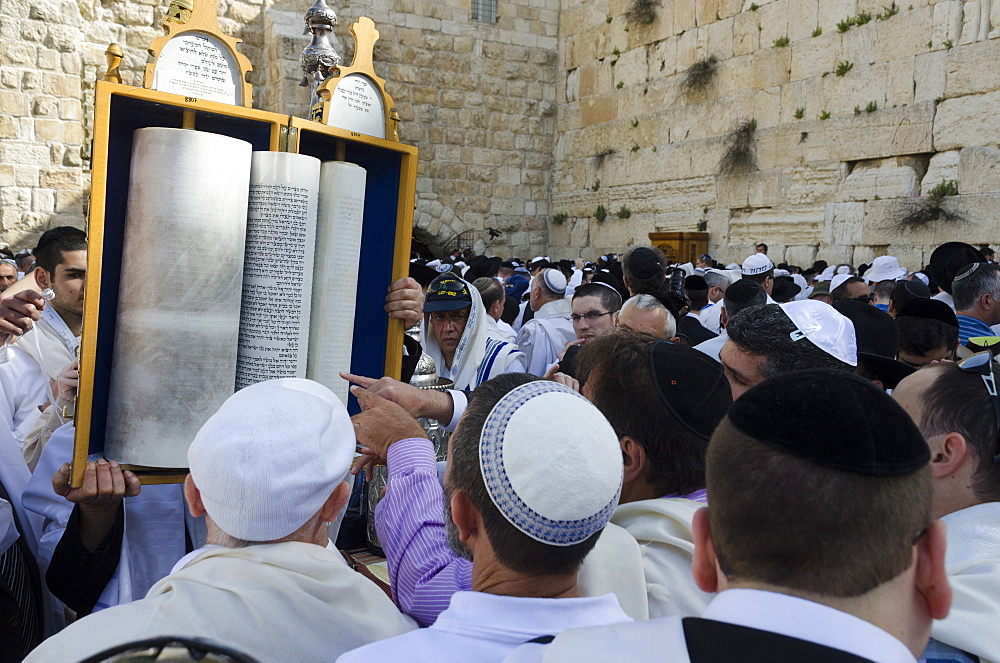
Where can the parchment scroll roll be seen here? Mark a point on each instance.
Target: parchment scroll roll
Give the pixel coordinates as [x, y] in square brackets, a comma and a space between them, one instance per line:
[179, 309]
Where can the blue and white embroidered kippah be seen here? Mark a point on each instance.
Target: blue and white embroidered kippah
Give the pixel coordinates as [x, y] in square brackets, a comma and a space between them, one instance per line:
[551, 462]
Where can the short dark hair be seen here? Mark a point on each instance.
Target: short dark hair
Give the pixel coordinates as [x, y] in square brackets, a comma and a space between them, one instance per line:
[490, 290]
[617, 368]
[883, 289]
[785, 521]
[765, 330]
[699, 298]
[919, 335]
[610, 298]
[53, 243]
[654, 264]
[957, 402]
[760, 245]
[840, 292]
[514, 549]
[972, 283]
[733, 307]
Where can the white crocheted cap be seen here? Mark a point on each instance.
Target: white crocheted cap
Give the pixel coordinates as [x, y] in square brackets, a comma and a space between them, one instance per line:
[758, 263]
[554, 280]
[555, 478]
[823, 326]
[270, 457]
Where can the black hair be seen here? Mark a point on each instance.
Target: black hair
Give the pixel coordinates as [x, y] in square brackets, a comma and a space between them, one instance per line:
[53, 243]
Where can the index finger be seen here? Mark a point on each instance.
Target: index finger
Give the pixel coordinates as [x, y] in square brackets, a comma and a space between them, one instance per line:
[31, 297]
[359, 380]
[407, 282]
[366, 399]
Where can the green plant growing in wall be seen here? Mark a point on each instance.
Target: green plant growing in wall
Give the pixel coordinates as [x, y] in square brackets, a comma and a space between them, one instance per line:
[824, 115]
[800, 113]
[634, 122]
[948, 44]
[863, 18]
[803, 136]
[857, 110]
[740, 154]
[871, 107]
[702, 225]
[559, 218]
[597, 185]
[888, 12]
[642, 12]
[619, 85]
[700, 75]
[623, 213]
[781, 41]
[843, 67]
[931, 207]
[608, 19]
[846, 24]
[635, 147]
[601, 213]
[817, 32]
[754, 6]
[617, 53]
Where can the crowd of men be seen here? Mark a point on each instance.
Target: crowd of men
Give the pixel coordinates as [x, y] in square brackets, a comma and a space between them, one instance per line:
[648, 461]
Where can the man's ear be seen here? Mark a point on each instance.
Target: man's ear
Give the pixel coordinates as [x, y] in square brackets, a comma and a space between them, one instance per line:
[193, 497]
[614, 317]
[42, 278]
[704, 566]
[931, 578]
[948, 455]
[723, 317]
[634, 458]
[466, 517]
[335, 502]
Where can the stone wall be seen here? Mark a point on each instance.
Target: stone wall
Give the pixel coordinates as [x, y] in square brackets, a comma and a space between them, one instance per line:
[477, 98]
[855, 126]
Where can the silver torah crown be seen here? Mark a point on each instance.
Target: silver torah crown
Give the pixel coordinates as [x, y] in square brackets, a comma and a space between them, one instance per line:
[319, 57]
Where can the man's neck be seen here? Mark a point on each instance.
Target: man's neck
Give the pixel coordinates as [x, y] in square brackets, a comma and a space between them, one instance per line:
[975, 313]
[636, 491]
[504, 582]
[73, 320]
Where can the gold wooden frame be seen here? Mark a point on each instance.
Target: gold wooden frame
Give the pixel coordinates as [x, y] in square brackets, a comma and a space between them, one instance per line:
[205, 21]
[365, 35]
[285, 135]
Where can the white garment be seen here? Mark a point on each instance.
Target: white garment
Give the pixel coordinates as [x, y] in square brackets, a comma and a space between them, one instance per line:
[713, 346]
[711, 317]
[574, 282]
[614, 566]
[481, 628]
[155, 522]
[663, 639]
[283, 602]
[946, 298]
[542, 338]
[500, 330]
[480, 354]
[663, 529]
[972, 561]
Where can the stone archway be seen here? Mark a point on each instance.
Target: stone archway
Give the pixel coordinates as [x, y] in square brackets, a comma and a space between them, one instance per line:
[435, 225]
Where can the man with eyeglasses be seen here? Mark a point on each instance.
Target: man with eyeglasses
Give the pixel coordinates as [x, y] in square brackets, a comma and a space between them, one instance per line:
[595, 309]
[458, 337]
[976, 290]
[845, 286]
[958, 412]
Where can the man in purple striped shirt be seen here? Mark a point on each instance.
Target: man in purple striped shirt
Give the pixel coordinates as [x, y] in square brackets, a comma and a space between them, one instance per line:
[523, 537]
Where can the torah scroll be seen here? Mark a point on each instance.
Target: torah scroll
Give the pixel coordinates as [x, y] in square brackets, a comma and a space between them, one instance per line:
[179, 308]
[338, 251]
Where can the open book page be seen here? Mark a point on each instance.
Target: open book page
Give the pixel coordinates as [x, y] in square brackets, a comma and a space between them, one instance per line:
[179, 307]
[278, 270]
[338, 251]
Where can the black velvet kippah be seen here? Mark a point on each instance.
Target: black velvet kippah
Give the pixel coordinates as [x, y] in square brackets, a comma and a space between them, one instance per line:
[645, 263]
[691, 385]
[832, 418]
[931, 309]
[695, 282]
[742, 291]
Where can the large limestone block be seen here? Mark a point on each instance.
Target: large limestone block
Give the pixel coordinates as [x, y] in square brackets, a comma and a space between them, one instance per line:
[758, 189]
[943, 167]
[835, 254]
[884, 133]
[946, 22]
[979, 170]
[967, 121]
[707, 11]
[882, 178]
[793, 227]
[803, 17]
[905, 34]
[899, 83]
[857, 45]
[746, 36]
[632, 68]
[815, 56]
[972, 22]
[729, 8]
[774, 21]
[716, 39]
[930, 72]
[842, 223]
[886, 222]
[972, 69]
[770, 67]
[599, 108]
[685, 14]
[833, 11]
[863, 84]
[811, 184]
[804, 256]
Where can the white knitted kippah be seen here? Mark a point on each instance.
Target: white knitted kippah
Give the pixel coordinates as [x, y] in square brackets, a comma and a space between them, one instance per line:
[270, 457]
[551, 462]
[554, 280]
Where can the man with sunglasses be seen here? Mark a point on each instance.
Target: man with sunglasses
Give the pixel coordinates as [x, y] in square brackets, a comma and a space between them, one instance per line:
[845, 286]
[958, 412]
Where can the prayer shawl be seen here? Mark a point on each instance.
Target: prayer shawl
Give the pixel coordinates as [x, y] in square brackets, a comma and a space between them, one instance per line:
[663, 529]
[283, 602]
[543, 337]
[480, 355]
[614, 566]
[50, 343]
[972, 562]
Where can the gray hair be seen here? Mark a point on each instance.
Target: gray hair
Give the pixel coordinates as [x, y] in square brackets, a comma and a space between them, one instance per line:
[651, 303]
[716, 280]
[974, 281]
